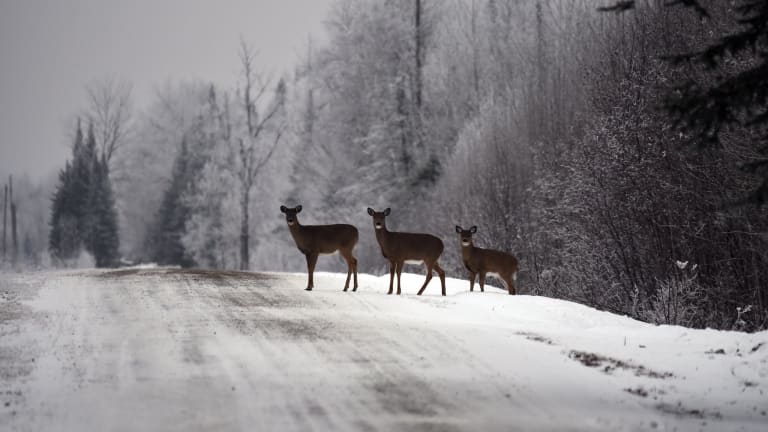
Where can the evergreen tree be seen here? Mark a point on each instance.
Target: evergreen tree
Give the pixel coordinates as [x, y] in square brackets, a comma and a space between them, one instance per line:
[64, 241]
[88, 187]
[173, 215]
[83, 210]
[735, 94]
[104, 240]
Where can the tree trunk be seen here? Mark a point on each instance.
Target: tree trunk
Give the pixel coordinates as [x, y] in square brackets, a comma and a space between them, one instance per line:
[309, 120]
[417, 91]
[402, 115]
[539, 64]
[475, 58]
[244, 228]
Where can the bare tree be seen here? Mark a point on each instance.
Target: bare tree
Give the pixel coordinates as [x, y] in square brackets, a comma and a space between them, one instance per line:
[110, 111]
[251, 154]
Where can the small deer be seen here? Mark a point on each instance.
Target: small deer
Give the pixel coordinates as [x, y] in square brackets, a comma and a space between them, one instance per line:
[407, 248]
[486, 262]
[316, 240]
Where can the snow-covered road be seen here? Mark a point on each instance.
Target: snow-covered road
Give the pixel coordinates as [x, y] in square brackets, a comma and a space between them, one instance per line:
[178, 350]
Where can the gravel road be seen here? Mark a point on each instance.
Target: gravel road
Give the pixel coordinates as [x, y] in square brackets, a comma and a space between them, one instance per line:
[190, 350]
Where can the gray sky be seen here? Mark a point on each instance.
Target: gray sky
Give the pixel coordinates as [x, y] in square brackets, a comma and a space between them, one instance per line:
[50, 49]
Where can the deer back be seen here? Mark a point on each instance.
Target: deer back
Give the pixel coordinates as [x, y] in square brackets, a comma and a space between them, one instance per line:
[400, 246]
[489, 260]
[325, 238]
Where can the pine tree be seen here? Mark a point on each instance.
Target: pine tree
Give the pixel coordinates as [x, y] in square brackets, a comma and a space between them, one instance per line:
[83, 214]
[64, 241]
[173, 215]
[89, 181]
[104, 239]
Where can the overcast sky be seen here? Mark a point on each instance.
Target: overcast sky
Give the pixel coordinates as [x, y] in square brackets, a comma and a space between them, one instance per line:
[50, 49]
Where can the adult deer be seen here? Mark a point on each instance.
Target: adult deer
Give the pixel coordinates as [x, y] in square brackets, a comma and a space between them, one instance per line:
[407, 248]
[316, 240]
[486, 262]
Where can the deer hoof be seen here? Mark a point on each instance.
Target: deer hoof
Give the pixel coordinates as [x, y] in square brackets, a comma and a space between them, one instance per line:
[308, 289]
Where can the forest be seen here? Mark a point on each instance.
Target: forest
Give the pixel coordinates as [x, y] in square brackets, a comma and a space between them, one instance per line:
[574, 136]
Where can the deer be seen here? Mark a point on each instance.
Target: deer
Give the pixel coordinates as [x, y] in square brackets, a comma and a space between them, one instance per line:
[486, 262]
[402, 248]
[316, 240]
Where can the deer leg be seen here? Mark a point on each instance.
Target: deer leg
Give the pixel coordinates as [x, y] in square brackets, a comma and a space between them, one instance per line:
[471, 281]
[510, 284]
[391, 275]
[482, 281]
[426, 282]
[348, 258]
[354, 269]
[440, 273]
[398, 269]
[311, 261]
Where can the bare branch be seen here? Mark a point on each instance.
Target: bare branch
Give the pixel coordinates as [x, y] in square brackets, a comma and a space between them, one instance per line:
[266, 159]
[110, 111]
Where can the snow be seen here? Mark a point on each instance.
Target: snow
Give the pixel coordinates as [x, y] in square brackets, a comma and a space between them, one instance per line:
[169, 349]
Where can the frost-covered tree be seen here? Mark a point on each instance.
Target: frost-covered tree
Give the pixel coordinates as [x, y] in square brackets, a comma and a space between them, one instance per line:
[735, 92]
[158, 131]
[251, 142]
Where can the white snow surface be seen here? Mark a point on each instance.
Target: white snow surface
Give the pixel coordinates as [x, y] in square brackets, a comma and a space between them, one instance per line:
[174, 350]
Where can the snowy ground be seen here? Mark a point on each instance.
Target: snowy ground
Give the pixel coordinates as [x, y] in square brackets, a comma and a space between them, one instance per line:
[166, 349]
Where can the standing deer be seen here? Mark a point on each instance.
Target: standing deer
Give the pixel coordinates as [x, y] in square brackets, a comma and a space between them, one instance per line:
[407, 248]
[486, 262]
[316, 240]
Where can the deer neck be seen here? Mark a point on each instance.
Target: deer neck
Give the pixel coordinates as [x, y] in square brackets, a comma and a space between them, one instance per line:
[382, 235]
[297, 232]
[466, 251]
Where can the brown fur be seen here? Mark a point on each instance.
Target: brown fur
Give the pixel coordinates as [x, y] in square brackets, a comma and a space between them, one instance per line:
[313, 240]
[399, 247]
[481, 261]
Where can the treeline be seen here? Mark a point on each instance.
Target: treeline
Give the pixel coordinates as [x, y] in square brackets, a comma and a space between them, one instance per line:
[83, 213]
[540, 122]
[589, 180]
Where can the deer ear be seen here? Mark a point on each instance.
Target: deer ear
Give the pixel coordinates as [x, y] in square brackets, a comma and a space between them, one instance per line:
[298, 209]
[283, 209]
[370, 211]
[458, 229]
[387, 211]
[473, 229]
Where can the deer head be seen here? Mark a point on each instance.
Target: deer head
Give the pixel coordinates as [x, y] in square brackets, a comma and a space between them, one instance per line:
[466, 235]
[290, 214]
[378, 218]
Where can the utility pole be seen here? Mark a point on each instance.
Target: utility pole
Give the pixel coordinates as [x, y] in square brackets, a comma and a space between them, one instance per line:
[15, 243]
[5, 219]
